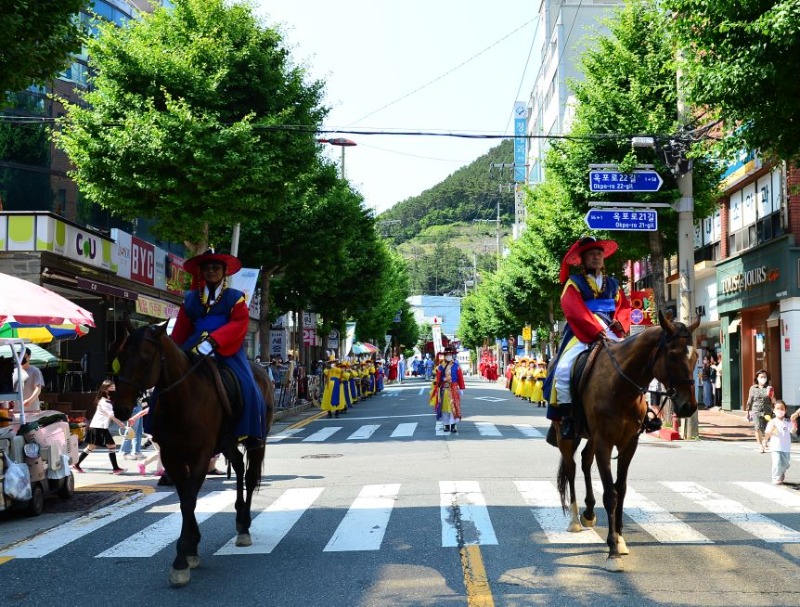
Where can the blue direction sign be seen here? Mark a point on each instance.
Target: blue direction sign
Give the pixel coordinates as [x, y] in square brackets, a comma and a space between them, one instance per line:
[614, 181]
[633, 220]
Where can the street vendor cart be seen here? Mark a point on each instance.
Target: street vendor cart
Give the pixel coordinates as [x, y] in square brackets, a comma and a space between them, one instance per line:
[36, 448]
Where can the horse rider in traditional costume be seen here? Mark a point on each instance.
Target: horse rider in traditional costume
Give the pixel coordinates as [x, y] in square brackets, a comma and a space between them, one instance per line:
[213, 321]
[595, 308]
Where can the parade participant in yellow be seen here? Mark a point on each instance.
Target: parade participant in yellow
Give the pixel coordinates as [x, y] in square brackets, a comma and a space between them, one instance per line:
[539, 375]
[530, 370]
[519, 376]
[333, 396]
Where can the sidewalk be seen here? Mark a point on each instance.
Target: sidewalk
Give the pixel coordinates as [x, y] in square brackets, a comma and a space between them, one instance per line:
[719, 425]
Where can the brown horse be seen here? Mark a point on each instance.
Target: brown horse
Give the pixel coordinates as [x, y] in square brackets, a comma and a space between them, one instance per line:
[191, 422]
[612, 397]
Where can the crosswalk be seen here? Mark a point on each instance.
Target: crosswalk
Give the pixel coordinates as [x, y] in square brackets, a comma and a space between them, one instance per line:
[406, 430]
[666, 512]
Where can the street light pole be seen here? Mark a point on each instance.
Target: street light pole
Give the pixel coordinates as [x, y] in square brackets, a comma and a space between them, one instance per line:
[342, 143]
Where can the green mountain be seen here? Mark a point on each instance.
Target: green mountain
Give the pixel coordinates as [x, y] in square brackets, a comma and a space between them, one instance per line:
[448, 233]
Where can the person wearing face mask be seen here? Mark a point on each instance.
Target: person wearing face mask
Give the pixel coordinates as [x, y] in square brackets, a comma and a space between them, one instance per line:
[759, 406]
[595, 307]
[448, 386]
[778, 433]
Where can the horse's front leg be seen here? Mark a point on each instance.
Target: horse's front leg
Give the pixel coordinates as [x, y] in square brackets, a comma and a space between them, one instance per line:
[253, 463]
[588, 518]
[603, 457]
[623, 465]
[186, 557]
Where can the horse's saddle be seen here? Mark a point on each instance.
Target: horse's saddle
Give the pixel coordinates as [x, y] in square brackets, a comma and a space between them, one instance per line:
[233, 390]
[581, 369]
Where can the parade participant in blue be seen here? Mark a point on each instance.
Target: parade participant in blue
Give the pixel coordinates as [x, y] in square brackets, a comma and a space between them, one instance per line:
[213, 321]
[595, 308]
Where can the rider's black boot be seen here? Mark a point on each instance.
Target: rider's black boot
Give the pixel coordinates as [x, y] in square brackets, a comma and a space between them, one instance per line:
[551, 436]
[567, 423]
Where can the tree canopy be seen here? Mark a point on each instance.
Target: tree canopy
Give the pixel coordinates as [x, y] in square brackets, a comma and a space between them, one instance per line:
[741, 61]
[629, 87]
[183, 122]
[38, 37]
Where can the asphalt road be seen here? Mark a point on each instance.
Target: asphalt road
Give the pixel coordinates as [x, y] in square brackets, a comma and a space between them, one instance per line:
[377, 509]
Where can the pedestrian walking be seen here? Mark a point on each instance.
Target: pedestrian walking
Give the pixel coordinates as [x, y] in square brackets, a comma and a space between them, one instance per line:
[98, 434]
[707, 381]
[446, 395]
[716, 368]
[778, 433]
[759, 406]
[131, 448]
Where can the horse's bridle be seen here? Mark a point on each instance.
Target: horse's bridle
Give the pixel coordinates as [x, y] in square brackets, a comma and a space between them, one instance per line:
[681, 333]
[140, 388]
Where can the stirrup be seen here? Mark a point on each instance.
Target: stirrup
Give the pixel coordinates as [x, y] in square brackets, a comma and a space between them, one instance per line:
[568, 428]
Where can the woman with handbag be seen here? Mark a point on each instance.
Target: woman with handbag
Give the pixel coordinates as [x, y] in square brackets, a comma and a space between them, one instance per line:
[759, 406]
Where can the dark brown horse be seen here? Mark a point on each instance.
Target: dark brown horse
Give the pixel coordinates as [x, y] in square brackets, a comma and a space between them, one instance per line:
[191, 422]
[612, 397]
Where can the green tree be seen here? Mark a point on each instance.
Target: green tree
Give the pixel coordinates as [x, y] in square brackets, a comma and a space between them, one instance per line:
[38, 37]
[741, 61]
[183, 121]
[630, 87]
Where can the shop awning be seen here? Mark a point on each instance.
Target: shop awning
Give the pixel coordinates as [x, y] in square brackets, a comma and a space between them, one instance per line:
[774, 318]
[734, 326]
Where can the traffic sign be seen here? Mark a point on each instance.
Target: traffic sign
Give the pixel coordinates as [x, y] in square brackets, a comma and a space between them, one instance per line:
[634, 220]
[613, 181]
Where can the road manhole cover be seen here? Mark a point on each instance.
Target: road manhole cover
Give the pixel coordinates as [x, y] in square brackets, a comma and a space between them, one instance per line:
[322, 456]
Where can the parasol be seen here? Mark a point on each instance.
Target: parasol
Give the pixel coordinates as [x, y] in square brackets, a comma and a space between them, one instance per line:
[39, 356]
[29, 311]
[364, 348]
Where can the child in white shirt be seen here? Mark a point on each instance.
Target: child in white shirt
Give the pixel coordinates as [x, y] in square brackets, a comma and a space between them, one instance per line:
[778, 432]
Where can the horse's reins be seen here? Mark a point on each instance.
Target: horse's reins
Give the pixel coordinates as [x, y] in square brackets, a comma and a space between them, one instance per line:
[671, 392]
[140, 389]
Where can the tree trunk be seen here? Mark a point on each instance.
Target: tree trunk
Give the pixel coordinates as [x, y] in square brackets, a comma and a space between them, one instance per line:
[657, 268]
[263, 317]
[659, 290]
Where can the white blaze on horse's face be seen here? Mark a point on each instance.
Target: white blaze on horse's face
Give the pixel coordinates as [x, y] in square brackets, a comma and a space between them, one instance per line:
[690, 352]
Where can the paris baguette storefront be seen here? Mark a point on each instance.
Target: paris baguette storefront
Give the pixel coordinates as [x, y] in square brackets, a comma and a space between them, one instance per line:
[759, 307]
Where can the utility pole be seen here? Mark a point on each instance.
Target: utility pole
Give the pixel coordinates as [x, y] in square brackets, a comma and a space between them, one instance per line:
[685, 208]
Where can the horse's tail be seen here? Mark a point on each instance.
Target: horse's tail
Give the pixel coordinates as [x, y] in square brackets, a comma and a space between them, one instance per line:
[562, 482]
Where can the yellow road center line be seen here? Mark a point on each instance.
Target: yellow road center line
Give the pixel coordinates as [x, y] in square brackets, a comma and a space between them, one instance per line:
[479, 594]
[306, 421]
[5, 559]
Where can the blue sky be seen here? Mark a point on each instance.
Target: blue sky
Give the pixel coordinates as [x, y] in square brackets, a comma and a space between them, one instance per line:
[375, 54]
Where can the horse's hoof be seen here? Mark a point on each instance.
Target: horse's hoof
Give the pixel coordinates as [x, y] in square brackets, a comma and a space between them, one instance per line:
[574, 527]
[588, 522]
[614, 564]
[243, 539]
[179, 577]
[622, 546]
[194, 561]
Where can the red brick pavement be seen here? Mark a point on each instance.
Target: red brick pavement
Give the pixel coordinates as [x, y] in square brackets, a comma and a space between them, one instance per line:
[717, 424]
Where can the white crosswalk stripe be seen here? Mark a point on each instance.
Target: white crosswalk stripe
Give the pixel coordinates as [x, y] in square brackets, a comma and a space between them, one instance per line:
[664, 526]
[545, 503]
[487, 429]
[364, 432]
[738, 514]
[529, 431]
[464, 517]
[60, 536]
[288, 433]
[404, 430]
[323, 434]
[365, 523]
[272, 525]
[159, 535]
[465, 498]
